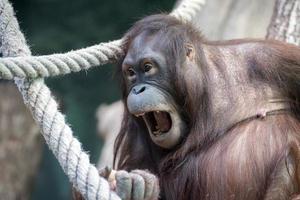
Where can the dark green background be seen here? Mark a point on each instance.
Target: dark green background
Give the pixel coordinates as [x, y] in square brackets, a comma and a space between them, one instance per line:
[61, 25]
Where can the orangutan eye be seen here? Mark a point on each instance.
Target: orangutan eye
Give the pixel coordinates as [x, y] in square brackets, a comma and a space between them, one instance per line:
[130, 72]
[147, 67]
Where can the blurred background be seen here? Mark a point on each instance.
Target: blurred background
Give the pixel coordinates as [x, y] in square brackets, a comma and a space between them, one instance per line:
[28, 170]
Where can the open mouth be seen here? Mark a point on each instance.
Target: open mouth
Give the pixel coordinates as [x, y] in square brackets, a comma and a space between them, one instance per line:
[158, 122]
[165, 128]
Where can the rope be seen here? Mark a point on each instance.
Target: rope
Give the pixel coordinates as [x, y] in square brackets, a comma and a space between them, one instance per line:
[83, 59]
[37, 96]
[187, 9]
[58, 135]
[60, 64]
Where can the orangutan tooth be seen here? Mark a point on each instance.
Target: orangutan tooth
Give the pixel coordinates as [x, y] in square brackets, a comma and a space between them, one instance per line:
[157, 132]
[140, 115]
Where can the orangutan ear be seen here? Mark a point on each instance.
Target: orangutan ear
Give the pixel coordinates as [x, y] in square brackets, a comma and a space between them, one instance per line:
[190, 52]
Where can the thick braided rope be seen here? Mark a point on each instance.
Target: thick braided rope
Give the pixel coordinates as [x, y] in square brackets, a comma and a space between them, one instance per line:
[187, 9]
[67, 149]
[60, 64]
[83, 59]
[74, 161]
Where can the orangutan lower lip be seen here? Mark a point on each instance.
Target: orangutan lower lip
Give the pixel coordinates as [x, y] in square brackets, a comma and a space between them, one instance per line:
[158, 122]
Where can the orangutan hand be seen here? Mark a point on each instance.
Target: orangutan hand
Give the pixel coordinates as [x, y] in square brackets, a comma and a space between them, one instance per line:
[136, 185]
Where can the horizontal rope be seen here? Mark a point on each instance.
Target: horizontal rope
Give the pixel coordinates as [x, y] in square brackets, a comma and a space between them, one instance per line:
[60, 64]
[82, 59]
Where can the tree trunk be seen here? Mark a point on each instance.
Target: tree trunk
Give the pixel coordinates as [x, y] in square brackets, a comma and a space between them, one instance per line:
[20, 145]
[230, 19]
[285, 23]
[20, 141]
[109, 120]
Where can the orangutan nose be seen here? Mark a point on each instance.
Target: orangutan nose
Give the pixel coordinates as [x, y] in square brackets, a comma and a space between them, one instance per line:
[138, 89]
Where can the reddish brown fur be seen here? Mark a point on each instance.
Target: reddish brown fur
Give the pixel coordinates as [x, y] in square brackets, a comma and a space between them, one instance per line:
[241, 164]
[222, 156]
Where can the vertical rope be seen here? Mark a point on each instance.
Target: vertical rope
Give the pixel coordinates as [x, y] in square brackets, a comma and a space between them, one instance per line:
[58, 135]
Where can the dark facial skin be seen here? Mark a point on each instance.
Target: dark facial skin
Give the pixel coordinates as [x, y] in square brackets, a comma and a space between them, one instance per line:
[147, 79]
[145, 63]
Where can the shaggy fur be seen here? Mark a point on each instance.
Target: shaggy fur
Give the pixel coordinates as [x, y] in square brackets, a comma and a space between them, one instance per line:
[227, 153]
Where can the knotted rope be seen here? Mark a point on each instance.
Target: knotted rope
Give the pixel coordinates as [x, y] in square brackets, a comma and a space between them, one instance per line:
[37, 96]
